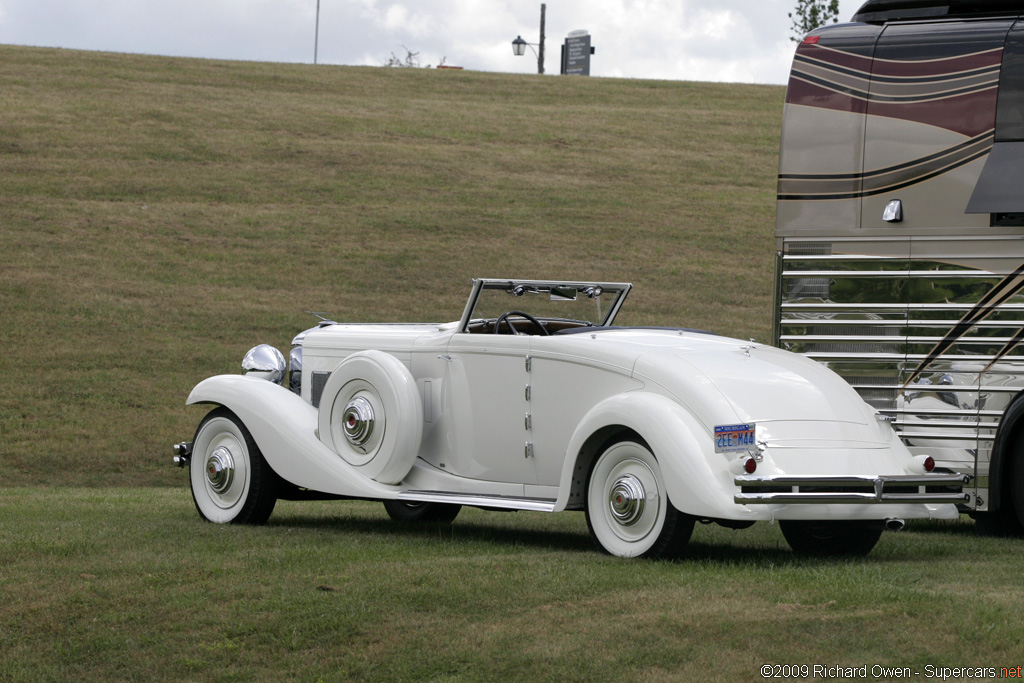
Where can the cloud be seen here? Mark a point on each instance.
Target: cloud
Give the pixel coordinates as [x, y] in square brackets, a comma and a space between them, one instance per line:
[718, 40]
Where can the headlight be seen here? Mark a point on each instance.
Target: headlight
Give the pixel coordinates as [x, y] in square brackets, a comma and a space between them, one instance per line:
[265, 362]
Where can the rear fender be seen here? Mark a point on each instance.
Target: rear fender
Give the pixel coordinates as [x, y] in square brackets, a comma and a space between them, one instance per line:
[678, 441]
[284, 427]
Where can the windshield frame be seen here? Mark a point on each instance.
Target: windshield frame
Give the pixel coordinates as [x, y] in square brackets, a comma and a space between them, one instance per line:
[619, 289]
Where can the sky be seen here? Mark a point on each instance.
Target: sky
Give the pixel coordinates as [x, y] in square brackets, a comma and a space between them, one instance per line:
[745, 41]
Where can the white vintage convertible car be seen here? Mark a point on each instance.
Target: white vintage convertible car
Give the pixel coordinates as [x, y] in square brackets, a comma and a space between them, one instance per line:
[533, 400]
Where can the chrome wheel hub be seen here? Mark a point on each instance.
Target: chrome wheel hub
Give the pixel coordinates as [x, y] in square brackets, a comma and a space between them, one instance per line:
[357, 421]
[627, 500]
[220, 469]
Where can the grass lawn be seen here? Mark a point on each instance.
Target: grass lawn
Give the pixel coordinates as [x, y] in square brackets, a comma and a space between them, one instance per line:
[129, 584]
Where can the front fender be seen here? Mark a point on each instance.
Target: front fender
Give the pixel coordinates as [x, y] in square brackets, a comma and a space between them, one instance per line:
[696, 478]
[284, 427]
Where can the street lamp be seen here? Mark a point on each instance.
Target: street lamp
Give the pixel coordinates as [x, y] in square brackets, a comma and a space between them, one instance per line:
[519, 45]
[316, 35]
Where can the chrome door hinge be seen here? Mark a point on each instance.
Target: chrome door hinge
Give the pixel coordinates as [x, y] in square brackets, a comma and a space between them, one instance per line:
[529, 363]
[528, 421]
[528, 451]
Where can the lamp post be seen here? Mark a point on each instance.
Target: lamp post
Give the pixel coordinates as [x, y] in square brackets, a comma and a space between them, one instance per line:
[316, 35]
[519, 45]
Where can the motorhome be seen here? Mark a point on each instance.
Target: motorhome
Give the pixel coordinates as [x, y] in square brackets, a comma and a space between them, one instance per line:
[900, 229]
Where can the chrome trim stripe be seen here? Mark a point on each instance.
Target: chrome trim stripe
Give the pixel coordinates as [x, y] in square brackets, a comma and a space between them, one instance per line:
[959, 437]
[970, 422]
[941, 413]
[479, 500]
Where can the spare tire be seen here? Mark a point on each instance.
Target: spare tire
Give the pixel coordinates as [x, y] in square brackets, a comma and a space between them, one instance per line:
[371, 415]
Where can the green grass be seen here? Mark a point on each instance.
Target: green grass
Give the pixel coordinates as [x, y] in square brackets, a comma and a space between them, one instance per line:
[161, 216]
[128, 584]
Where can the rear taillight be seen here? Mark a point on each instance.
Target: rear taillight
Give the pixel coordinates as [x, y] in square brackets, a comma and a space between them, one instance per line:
[922, 464]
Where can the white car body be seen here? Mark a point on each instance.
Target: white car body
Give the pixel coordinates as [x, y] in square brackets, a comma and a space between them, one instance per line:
[461, 414]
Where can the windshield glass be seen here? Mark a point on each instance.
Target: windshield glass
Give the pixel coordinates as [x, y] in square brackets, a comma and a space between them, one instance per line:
[585, 303]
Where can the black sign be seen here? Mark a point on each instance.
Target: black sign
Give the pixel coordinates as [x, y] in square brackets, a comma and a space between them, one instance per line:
[576, 56]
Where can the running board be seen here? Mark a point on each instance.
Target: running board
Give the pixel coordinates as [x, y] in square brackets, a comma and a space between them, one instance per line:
[479, 500]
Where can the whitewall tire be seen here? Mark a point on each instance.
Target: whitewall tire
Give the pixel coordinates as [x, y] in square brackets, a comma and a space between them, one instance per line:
[628, 510]
[231, 481]
[371, 415]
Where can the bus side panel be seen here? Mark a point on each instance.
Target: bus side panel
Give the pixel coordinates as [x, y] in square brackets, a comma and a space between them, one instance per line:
[823, 132]
[930, 122]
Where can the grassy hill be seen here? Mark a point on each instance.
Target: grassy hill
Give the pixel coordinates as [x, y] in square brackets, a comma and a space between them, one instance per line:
[160, 216]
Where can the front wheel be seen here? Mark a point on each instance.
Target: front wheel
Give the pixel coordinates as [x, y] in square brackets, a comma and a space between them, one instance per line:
[403, 511]
[628, 510]
[851, 538]
[231, 482]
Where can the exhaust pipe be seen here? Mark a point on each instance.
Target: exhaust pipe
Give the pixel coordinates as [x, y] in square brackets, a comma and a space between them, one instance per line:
[895, 524]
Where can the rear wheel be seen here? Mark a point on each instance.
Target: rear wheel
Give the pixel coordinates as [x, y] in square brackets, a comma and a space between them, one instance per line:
[231, 482]
[1016, 502]
[1008, 520]
[830, 539]
[1000, 523]
[628, 510]
[410, 511]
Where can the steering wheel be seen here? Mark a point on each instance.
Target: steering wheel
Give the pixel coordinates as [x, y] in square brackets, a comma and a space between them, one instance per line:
[505, 316]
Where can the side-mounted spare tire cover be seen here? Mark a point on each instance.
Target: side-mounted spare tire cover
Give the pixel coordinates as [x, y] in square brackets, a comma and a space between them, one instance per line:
[371, 415]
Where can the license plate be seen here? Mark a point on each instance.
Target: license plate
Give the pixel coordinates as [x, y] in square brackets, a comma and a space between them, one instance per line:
[734, 438]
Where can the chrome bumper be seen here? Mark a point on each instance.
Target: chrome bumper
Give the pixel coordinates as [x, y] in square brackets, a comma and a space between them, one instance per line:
[182, 453]
[851, 489]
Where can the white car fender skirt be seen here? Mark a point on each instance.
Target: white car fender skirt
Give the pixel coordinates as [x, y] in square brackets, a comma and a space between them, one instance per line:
[675, 437]
[371, 415]
[284, 428]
